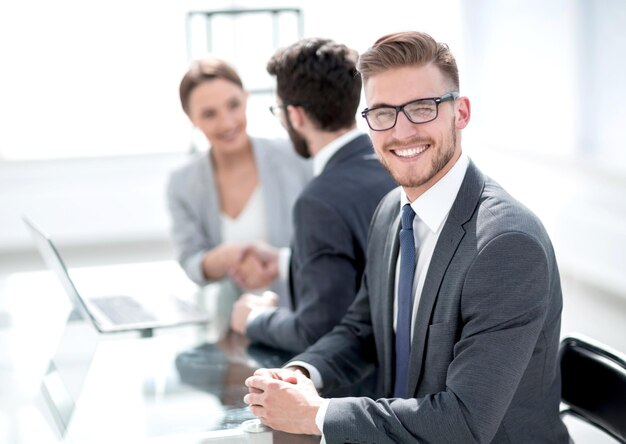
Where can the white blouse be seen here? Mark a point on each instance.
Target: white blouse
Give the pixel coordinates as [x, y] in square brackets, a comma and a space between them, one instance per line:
[250, 225]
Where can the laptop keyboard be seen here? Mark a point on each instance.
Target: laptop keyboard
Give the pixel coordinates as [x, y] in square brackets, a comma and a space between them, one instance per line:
[122, 310]
[185, 308]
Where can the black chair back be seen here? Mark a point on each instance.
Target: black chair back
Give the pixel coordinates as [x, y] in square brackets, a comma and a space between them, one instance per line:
[594, 385]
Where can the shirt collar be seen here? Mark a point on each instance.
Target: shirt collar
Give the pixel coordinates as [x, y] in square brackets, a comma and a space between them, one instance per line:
[323, 156]
[433, 206]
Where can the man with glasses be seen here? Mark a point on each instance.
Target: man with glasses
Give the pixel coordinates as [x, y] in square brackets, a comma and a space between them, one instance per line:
[460, 305]
[318, 93]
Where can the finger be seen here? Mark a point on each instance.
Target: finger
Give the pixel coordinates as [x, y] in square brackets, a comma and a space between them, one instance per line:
[252, 399]
[300, 377]
[245, 267]
[269, 373]
[237, 326]
[243, 252]
[264, 383]
[236, 276]
[270, 295]
[258, 411]
[273, 300]
[287, 376]
[255, 382]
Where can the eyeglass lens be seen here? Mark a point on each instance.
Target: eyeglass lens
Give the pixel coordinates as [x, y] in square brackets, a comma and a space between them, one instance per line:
[420, 111]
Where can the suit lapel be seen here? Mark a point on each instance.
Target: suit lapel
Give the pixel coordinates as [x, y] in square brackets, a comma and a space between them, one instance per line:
[447, 244]
[444, 251]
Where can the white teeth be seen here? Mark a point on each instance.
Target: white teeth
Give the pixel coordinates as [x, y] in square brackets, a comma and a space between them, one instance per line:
[411, 151]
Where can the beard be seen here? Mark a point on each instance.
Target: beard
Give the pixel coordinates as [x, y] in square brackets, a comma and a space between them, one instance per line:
[439, 161]
[300, 145]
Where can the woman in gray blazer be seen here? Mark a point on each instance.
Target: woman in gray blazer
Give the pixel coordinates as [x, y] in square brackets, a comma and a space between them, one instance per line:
[240, 191]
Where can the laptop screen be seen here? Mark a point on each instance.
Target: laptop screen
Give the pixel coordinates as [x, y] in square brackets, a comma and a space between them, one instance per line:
[68, 368]
[53, 261]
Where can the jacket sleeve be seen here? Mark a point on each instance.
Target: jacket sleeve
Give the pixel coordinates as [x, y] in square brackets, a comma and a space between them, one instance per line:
[190, 242]
[324, 278]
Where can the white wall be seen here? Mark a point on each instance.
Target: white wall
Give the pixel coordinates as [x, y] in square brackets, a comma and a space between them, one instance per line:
[80, 82]
[546, 105]
[543, 79]
[86, 201]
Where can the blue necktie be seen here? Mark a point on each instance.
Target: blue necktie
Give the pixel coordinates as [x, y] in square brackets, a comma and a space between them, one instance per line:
[405, 302]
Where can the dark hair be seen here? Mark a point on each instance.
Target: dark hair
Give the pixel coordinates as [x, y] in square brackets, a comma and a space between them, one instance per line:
[320, 75]
[406, 49]
[202, 71]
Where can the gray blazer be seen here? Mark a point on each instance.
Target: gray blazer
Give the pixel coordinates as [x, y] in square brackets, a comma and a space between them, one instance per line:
[484, 350]
[194, 202]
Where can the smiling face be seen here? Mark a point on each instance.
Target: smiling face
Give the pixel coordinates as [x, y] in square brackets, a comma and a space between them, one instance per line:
[218, 108]
[417, 155]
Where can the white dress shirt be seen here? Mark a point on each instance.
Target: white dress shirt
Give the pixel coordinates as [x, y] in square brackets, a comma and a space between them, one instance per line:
[431, 212]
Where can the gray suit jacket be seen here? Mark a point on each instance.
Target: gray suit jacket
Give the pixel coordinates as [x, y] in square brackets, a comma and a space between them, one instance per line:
[484, 351]
[194, 202]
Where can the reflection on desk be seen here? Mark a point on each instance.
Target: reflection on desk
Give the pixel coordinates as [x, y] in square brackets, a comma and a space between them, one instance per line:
[165, 388]
[214, 368]
[184, 385]
[220, 369]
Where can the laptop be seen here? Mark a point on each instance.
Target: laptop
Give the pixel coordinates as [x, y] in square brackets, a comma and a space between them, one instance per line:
[117, 313]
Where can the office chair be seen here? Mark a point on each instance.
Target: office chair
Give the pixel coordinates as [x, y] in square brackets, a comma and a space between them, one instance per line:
[593, 386]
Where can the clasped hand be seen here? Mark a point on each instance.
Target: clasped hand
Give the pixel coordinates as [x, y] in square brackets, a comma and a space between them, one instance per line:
[284, 399]
[255, 267]
[244, 306]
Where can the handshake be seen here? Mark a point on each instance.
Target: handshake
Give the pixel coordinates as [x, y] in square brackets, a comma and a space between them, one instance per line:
[254, 266]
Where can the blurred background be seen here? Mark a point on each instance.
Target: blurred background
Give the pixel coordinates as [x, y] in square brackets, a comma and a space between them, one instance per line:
[90, 121]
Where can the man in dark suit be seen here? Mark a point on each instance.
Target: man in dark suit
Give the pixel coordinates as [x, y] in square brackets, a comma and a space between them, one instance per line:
[460, 304]
[318, 91]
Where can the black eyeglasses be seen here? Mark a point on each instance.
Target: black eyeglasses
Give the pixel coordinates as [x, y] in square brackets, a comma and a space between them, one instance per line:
[384, 117]
[276, 109]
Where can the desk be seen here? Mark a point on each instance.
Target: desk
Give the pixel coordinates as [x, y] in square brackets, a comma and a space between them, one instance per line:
[183, 385]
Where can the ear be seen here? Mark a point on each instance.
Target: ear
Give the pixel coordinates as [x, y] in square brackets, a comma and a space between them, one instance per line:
[297, 116]
[462, 112]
